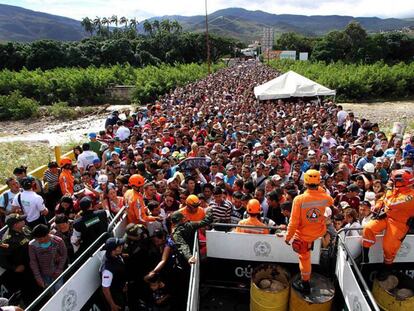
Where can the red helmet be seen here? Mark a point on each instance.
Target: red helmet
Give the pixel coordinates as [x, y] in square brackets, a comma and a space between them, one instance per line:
[402, 178]
[65, 160]
[253, 207]
[136, 180]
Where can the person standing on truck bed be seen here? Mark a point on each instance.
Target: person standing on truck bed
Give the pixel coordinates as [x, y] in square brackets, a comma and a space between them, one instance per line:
[395, 214]
[89, 226]
[307, 224]
[253, 209]
[114, 275]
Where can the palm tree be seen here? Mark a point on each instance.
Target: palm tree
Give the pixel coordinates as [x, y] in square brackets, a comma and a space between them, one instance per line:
[98, 25]
[176, 26]
[165, 25]
[123, 21]
[133, 23]
[148, 27]
[88, 25]
[114, 20]
[106, 21]
[156, 25]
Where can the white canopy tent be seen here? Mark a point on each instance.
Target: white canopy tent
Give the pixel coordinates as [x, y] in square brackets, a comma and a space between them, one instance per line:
[291, 84]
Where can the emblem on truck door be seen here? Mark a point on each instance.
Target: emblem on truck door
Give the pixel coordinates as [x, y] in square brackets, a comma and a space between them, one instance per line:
[69, 301]
[262, 249]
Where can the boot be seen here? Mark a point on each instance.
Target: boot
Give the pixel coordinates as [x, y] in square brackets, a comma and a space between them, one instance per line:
[302, 286]
[385, 272]
[365, 257]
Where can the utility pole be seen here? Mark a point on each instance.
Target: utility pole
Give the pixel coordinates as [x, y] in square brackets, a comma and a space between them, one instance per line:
[207, 41]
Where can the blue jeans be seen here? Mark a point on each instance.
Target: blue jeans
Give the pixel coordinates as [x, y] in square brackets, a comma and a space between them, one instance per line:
[49, 280]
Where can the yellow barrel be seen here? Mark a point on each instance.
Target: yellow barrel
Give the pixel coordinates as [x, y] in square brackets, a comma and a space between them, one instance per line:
[389, 299]
[320, 298]
[274, 298]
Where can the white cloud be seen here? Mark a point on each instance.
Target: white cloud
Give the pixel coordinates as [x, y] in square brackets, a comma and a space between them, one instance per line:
[144, 9]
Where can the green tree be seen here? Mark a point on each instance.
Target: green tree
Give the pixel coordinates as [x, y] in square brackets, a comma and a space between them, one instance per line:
[133, 24]
[45, 54]
[123, 21]
[358, 40]
[88, 25]
[148, 27]
[333, 47]
[114, 20]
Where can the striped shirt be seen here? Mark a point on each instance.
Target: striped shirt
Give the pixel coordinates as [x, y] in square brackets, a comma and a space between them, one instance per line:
[51, 179]
[222, 212]
[47, 261]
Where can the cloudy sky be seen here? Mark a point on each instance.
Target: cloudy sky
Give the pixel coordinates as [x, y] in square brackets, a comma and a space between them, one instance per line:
[144, 8]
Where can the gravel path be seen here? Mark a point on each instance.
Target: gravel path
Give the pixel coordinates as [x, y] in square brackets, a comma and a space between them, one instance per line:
[384, 113]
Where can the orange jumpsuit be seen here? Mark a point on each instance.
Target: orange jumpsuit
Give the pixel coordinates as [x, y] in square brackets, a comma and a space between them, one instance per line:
[307, 223]
[399, 207]
[137, 212]
[197, 216]
[251, 221]
[66, 182]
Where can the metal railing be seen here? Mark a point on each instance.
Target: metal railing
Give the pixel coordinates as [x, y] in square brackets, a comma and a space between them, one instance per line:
[47, 293]
[230, 226]
[193, 277]
[360, 277]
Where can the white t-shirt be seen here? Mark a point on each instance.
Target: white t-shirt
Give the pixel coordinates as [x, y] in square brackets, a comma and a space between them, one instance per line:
[341, 115]
[7, 206]
[32, 204]
[86, 158]
[123, 132]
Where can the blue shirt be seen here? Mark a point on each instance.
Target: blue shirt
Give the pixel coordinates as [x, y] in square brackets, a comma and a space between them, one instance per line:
[364, 161]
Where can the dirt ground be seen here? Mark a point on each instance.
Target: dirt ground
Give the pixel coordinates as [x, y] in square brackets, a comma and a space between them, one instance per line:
[384, 113]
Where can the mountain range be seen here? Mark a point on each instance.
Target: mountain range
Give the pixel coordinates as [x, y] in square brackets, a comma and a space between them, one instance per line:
[19, 24]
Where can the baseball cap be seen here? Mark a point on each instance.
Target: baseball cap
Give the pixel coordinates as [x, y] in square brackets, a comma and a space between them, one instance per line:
[78, 188]
[102, 179]
[113, 243]
[165, 150]
[219, 175]
[369, 150]
[14, 218]
[136, 230]
[92, 135]
[353, 188]
[344, 205]
[96, 161]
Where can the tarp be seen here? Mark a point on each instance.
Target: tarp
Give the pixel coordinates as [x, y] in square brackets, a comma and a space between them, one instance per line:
[290, 84]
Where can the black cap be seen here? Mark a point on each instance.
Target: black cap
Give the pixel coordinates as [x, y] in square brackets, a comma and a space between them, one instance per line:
[14, 219]
[113, 243]
[176, 217]
[136, 230]
[353, 188]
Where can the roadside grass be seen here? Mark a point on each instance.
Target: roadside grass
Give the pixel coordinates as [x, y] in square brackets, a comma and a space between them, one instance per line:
[30, 154]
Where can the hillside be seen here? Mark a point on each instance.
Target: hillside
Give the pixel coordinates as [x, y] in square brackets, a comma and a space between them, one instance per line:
[247, 25]
[19, 24]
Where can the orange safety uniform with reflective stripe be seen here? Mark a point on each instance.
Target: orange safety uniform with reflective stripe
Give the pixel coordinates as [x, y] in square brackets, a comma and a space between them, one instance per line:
[66, 182]
[251, 221]
[137, 212]
[197, 216]
[307, 223]
[399, 207]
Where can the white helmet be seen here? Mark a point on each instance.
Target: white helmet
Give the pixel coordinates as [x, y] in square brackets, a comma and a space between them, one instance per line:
[369, 168]
[102, 179]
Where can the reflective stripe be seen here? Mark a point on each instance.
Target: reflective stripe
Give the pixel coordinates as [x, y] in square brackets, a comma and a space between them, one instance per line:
[370, 241]
[314, 203]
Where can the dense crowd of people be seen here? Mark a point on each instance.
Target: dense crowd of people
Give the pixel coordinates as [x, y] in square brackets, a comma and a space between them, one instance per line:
[206, 152]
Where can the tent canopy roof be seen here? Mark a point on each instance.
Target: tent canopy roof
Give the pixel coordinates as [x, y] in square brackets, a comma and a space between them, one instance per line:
[290, 84]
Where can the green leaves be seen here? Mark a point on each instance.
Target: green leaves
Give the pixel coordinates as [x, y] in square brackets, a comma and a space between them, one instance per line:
[16, 107]
[355, 81]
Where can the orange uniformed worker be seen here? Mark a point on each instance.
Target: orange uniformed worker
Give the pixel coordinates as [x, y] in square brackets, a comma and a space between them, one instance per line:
[192, 210]
[137, 212]
[396, 208]
[253, 209]
[307, 224]
[66, 179]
